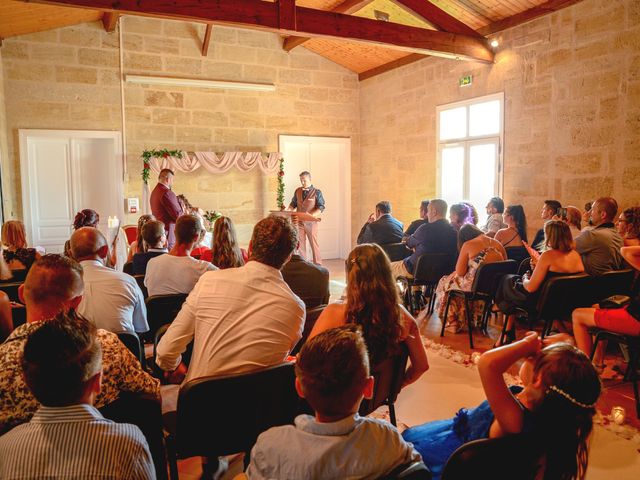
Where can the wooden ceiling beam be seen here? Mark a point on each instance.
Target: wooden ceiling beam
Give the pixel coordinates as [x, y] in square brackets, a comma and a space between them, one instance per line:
[309, 22]
[522, 17]
[207, 40]
[110, 21]
[436, 16]
[414, 57]
[347, 7]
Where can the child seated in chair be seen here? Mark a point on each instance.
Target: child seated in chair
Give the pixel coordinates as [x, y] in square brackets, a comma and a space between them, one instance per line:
[332, 374]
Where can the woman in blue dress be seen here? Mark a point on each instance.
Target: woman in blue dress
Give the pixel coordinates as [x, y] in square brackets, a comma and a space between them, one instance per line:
[556, 404]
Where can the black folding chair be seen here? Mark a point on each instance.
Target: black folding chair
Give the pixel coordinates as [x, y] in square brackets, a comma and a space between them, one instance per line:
[11, 289]
[388, 375]
[310, 321]
[412, 471]
[140, 281]
[430, 268]
[132, 342]
[396, 251]
[525, 266]
[517, 254]
[615, 282]
[162, 310]
[225, 414]
[484, 287]
[128, 268]
[504, 458]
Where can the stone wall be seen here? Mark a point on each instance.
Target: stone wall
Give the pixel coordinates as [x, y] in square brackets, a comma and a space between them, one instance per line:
[571, 82]
[69, 78]
[5, 164]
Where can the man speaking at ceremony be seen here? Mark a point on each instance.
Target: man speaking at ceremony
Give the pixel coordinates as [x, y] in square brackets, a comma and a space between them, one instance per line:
[308, 199]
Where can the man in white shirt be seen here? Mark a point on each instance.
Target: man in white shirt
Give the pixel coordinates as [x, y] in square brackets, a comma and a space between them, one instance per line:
[495, 209]
[240, 319]
[178, 272]
[112, 300]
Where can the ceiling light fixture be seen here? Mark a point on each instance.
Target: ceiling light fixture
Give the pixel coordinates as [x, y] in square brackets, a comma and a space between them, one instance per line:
[200, 83]
[382, 16]
[494, 43]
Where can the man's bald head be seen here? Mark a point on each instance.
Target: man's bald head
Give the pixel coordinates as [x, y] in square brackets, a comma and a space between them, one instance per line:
[53, 281]
[88, 243]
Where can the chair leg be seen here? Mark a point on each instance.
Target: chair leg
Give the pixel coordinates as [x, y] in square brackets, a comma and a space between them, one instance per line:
[446, 313]
[392, 414]
[172, 457]
[469, 321]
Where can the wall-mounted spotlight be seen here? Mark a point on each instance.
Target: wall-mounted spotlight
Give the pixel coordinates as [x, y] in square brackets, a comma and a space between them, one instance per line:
[494, 43]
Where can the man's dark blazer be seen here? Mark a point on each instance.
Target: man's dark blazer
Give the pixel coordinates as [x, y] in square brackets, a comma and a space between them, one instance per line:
[308, 281]
[383, 231]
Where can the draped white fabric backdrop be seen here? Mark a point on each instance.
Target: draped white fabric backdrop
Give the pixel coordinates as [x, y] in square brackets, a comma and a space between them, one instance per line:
[210, 161]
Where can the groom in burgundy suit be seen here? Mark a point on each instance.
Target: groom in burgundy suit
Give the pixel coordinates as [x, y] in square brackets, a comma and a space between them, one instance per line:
[164, 204]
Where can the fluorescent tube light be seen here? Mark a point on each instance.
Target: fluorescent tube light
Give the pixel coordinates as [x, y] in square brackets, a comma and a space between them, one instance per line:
[200, 83]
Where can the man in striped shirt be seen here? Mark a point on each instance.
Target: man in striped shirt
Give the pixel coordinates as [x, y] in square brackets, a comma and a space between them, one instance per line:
[68, 437]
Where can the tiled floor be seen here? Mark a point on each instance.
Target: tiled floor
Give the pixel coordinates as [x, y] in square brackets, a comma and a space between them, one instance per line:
[615, 393]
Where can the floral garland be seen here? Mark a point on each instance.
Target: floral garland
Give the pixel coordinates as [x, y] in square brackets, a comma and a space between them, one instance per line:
[147, 155]
[280, 197]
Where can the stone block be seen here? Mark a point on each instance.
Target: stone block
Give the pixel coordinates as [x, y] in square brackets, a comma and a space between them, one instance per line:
[248, 103]
[142, 61]
[132, 42]
[222, 70]
[29, 71]
[308, 109]
[246, 120]
[276, 105]
[47, 36]
[177, 28]
[155, 135]
[92, 114]
[314, 94]
[171, 116]
[592, 187]
[296, 77]
[137, 114]
[215, 184]
[154, 98]
[236, 53]
[52, 53]
[109, 77]
[76, 75]
[80, 36]
[283, 123]
[182, 66]
[255, 38]
[193, 134]
[259, 73]
[201, 99]
[304, 60]
[579, 164]
[222, 34]
[631, 180]
[98, 57]
[161, 45]
[15, 49]
[230, 136]
[144, 25]
[209, 119]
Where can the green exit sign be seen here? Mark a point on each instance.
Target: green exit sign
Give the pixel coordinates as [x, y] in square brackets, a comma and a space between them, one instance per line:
[466, 80]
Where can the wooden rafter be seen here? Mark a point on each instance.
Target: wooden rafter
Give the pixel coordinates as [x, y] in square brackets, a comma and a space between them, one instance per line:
[436, 16]
[207, 40]
[347, 7]
[522, 17]
[414, 57]
[308, 22]
[110, 21]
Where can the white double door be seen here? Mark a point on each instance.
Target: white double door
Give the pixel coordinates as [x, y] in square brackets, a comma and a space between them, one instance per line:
[328, 159]
[64, 172]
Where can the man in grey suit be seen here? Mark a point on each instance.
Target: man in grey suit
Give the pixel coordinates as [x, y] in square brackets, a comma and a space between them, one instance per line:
[381, 227]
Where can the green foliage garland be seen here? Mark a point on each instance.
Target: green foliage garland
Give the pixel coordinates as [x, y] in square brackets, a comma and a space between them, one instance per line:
[147, 155]
[280, 198]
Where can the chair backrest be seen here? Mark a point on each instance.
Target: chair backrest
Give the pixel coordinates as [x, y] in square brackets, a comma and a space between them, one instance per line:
[132, 342]
[513, 456]
[615, 282]
[431, 267]
[224, 415]
[310, 321]
[411, 471]
[18, 315]
[140, 280]
[163, 309]
[489, 275]
[518, 254]
[525, 266]
[396, 251]
[128, 268]
[388, 375]
[131, 231]
[561, 295]
[11, 289]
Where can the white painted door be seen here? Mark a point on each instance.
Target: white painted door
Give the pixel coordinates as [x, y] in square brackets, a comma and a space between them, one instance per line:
[64, 172]
[328, 160]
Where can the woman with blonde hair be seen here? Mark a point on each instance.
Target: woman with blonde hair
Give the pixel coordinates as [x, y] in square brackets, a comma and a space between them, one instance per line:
[225, 251]
[372, 302]
[573, 218]
[15, 251]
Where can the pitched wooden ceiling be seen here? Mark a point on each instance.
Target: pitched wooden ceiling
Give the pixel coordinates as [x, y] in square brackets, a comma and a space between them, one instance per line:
[466, 20]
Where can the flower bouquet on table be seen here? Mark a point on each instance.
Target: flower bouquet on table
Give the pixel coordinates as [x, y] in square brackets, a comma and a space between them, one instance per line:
[210, 217]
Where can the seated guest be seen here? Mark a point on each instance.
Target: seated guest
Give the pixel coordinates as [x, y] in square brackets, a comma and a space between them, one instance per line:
[476, 248]
[6, 317]
[549, 210]
[586, 216]
[138, 246]
[473, 218]
[628, 226]
[55, 285]
[437, 236]
[556, 405]
[19, 258]
[600, 247]
[113, 300]
[332, 374]
[373, 303]
[155, 240]
[309, 281]
[495, 208]
[459, 214]
[240, 318]
[381, 227]
[225, 251]
[177, 272]
[417, 223]
[91, 218]
[515, 233]
[558, 259]
[625, 320]
[67, 436]
[573, 218]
